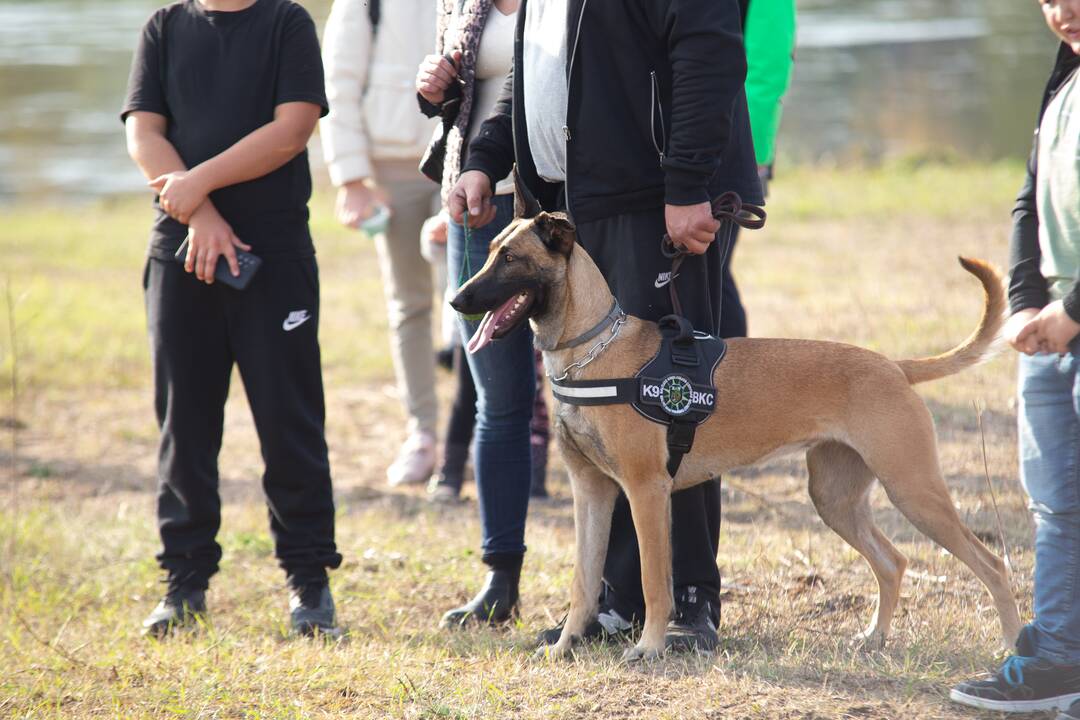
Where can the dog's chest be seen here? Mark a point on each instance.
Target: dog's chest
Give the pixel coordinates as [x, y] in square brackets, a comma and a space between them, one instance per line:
[578, 433]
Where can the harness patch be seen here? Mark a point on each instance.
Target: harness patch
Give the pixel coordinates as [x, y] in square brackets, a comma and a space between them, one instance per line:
[675, 388]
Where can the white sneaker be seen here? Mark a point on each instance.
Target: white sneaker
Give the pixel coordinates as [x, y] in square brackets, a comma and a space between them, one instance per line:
[415, 461]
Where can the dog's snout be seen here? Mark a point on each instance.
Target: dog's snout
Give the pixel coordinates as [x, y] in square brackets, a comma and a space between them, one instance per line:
[462, 300]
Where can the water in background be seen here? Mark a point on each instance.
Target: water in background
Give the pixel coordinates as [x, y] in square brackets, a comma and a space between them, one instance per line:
[874, 78]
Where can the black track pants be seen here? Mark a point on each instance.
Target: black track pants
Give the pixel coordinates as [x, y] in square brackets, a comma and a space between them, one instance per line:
[627, 250]
[270, 331]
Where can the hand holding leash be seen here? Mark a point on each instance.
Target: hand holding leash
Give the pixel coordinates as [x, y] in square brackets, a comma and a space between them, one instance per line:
[472, 195]
[728, 206]
[691, 227]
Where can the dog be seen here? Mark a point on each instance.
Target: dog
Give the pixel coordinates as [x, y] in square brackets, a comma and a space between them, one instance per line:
[852, 411]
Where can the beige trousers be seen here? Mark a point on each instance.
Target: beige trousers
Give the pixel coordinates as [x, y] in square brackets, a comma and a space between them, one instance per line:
[408, 288]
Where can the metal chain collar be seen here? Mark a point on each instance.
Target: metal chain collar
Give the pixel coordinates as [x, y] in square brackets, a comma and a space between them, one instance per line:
[594, 351]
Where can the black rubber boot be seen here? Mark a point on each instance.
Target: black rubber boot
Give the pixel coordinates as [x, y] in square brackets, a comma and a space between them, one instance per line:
[496, 603]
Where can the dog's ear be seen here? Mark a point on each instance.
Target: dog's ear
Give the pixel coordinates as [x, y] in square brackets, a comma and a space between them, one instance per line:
[556, 230]
[525, 205]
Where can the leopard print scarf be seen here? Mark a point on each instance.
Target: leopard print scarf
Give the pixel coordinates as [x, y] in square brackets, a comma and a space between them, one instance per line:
[467, 27]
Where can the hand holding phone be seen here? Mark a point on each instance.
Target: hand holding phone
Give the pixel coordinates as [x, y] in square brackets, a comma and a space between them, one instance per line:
[245, 261]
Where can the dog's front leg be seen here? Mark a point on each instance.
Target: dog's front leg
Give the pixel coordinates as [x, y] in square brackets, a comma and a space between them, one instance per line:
[594, 501]
[650, 504]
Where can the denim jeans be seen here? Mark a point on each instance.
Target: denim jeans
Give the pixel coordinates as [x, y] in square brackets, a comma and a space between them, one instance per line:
[505, 376]
[1049, 427]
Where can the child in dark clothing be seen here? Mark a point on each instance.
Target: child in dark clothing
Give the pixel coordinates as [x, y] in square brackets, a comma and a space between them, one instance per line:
[222, 99]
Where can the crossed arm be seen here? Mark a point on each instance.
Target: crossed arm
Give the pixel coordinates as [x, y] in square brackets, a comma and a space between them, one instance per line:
[1037, 324]
[183, 193]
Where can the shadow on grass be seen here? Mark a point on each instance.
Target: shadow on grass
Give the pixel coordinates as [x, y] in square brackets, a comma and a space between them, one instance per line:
[85, 479]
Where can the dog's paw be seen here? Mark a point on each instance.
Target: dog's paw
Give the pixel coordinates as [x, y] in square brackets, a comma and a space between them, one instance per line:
[869, 640]
[559, 651]
[641, 653]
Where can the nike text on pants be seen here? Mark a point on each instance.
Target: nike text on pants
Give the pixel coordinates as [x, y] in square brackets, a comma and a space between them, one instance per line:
[270, 331]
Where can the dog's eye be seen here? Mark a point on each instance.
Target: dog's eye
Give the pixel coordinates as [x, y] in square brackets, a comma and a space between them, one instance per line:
[508, 257]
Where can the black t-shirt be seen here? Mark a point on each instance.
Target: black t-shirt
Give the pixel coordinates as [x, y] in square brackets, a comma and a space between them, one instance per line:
[217, 76]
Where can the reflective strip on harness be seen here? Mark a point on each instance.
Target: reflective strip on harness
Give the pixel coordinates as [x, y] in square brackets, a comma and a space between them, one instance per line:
[603, 391]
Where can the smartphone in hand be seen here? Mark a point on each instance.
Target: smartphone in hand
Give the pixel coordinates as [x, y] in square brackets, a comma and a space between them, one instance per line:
[248, 265]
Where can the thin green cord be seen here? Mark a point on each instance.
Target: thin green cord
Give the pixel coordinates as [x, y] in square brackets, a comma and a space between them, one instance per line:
[465, 274]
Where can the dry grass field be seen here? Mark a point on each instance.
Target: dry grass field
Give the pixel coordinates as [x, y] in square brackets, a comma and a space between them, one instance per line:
[861, 256]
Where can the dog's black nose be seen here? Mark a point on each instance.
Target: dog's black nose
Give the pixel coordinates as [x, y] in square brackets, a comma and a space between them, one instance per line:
[461, 301]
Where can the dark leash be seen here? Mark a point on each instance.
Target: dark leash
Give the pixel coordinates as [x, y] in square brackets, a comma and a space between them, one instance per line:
[728, 208]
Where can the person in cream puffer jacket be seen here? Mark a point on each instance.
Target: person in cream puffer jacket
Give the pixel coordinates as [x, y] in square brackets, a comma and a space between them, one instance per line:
[372, 141]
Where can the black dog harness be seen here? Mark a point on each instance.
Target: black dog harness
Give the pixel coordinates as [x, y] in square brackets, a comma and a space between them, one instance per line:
[675, 388]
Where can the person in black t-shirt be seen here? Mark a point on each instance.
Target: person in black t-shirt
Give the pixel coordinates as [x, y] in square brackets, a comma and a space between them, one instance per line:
[222, 99]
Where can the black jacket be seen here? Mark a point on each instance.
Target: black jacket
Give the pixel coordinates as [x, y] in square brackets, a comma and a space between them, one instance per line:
[656, 109]
[1027, 286]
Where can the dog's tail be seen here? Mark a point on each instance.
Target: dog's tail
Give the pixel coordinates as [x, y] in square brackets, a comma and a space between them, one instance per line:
[980, 345]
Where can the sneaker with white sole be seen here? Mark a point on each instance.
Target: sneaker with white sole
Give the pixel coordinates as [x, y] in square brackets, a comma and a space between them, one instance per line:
[1023, 684]
[415, 461]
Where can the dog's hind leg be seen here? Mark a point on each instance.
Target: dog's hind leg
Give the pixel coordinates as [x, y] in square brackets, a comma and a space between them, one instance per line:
[594, 501]
[650, 505]
[905, 461]
[840, 485]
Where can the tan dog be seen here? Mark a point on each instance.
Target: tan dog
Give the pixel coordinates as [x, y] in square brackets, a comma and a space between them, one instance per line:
[851, 410]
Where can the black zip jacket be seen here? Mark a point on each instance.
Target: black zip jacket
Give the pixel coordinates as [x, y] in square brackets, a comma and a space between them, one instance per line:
[1027, 286]
[656, 109]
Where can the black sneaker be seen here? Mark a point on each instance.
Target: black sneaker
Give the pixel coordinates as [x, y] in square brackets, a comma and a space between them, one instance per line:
[1073, 713]
[181, 607]
[1022, 684]
[693, 627]
[311, 610]
[608, 627]
[496, 603]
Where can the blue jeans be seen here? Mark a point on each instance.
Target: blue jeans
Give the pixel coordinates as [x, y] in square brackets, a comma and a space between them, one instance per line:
[1049, 425]
[505, 376]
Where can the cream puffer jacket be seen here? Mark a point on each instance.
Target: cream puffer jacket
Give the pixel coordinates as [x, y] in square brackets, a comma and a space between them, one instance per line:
[370, 84]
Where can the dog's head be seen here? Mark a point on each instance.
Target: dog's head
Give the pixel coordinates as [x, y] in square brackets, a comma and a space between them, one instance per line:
[526, 263]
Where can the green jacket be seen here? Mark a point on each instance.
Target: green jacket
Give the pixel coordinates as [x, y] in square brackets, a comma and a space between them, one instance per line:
[770, 47]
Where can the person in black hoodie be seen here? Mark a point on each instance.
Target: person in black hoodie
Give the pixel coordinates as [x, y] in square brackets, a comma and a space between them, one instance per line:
[632, 117]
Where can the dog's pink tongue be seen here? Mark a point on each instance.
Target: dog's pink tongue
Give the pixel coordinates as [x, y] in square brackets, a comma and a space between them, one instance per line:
[489, 324]
[483, 334]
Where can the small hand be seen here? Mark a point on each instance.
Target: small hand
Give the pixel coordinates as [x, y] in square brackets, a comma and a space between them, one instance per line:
[472, 192]
[691, 227]
[434, 229]
[435, 75]
[210, 237]
[356, 202]
[180, 194]
[1052, 328]
[1015, 325]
